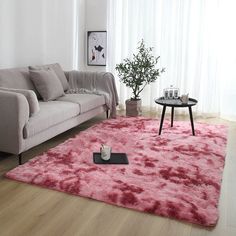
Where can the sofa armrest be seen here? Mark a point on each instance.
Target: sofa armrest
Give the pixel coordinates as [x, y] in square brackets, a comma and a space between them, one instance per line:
[14, 114]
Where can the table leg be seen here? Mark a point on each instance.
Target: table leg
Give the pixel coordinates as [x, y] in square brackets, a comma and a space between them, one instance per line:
[191, 119]
[172, 116]
[162, 118]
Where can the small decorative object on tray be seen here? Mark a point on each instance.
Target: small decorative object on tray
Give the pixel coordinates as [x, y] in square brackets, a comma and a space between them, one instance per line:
[171, 93]
[105, 152]
[105, 156]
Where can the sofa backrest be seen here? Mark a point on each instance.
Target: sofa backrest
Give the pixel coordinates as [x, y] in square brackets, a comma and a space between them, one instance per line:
[17, 78]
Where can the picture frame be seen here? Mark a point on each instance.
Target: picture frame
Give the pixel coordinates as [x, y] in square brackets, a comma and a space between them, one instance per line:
[96, 48]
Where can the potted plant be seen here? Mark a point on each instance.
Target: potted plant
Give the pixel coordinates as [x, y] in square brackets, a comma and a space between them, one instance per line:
[136, 73]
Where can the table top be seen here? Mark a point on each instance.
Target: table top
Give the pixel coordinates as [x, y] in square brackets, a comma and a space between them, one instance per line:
[175, 102]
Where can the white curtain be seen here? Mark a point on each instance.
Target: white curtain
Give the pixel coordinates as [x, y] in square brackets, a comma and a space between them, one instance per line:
[38, 32]
[196, 42]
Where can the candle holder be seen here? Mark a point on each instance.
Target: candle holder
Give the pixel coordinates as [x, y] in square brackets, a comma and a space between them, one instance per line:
[171, 93]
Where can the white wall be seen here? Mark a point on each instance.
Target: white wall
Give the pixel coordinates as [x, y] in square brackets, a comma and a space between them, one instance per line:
[58, 28]
[95, 19]
[80, 60]
[7, 36]
[36, 32]
[41, 31]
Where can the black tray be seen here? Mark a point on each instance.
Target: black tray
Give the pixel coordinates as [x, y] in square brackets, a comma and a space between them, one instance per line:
[116, 158]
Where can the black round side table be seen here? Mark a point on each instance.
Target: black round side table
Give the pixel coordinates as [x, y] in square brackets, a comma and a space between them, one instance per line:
[175, 103]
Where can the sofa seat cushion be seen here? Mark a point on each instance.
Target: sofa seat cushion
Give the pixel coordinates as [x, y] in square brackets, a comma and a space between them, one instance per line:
[50, 114]
[86, 102]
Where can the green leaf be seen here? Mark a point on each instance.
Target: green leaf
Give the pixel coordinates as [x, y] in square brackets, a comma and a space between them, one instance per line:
[140, 70]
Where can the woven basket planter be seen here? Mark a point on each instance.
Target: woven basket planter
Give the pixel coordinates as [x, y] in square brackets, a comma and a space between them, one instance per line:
[133, 107]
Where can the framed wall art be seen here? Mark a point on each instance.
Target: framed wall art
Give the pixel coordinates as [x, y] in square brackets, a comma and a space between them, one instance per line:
[96, 48]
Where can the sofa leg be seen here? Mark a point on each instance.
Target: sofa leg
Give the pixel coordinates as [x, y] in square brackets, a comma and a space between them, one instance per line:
[107, 112]
[20, 158]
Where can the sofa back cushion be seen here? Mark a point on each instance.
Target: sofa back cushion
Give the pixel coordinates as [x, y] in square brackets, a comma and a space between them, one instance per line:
[17, 78]
[30, 96]
[47, 83]
[59, 72]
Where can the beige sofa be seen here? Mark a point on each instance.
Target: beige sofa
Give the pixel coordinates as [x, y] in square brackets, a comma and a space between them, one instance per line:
[19, 131]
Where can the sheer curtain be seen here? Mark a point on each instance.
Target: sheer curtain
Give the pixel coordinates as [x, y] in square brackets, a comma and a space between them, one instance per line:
[192, 38]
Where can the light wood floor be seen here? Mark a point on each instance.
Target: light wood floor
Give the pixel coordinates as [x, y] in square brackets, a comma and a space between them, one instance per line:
[30, 210]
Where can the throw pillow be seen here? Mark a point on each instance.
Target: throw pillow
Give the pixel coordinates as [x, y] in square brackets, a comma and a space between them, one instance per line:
[59, 72]
[47, 83]
[30, 96]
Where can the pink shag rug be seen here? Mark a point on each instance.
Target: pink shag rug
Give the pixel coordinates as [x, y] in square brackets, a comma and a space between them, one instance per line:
[175, 175]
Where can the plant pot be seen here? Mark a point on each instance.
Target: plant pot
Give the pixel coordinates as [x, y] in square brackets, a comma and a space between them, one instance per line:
[133, 107]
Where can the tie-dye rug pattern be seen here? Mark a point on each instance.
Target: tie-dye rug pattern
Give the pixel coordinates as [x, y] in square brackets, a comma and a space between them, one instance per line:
[175, 175]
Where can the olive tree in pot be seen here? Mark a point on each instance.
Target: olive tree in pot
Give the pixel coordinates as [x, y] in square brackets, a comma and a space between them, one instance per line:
[136, 73]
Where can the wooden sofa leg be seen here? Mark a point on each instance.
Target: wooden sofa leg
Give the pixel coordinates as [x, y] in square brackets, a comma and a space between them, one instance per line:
[20, 158]
[107, 114]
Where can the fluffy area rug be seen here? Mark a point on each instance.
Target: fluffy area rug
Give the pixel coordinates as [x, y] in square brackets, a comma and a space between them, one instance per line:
[175, 175]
